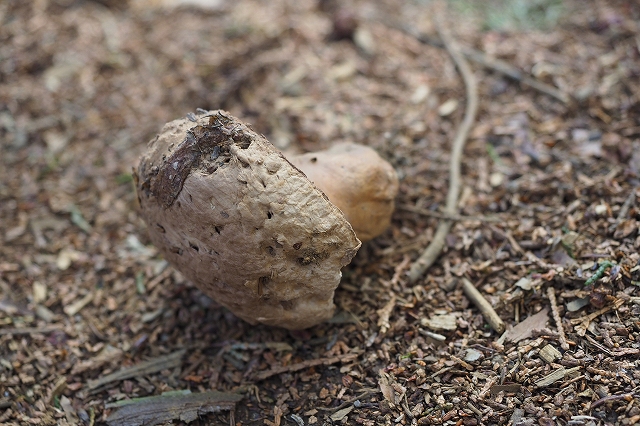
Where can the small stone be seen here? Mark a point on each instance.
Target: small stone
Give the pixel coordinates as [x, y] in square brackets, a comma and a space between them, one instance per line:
[601, 209]
[496, 179]
[448, 107]
[420, 94]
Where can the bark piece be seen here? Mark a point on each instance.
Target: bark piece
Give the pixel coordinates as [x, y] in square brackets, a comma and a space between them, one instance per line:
[183, 406]
[146, 367]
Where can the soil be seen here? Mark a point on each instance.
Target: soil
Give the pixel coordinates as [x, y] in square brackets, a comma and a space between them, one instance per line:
[547, 230]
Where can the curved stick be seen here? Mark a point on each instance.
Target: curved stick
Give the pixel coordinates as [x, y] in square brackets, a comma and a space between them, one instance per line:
[432, 251]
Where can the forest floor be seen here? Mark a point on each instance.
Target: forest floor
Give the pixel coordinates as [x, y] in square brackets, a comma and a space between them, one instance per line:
[92, 316]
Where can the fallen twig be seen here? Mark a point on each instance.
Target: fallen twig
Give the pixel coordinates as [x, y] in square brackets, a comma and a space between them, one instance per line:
[624, 210]
[267, 55]
[582, 324]
[185, 406]
[30, 330]
[483, 304]
[431, 253]
[365, 393]
[551, 294]
[146, 367]
[598, 345]
[496, 65]
[447, 216]
[304, 364]
[627, 397]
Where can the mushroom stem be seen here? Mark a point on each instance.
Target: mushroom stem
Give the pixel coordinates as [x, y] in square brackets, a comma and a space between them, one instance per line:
[357, 181]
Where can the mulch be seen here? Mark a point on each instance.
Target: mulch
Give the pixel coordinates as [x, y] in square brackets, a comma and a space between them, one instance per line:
[94, 322]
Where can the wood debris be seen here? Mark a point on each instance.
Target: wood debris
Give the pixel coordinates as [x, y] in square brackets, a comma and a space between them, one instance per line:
[556, 375]
[485, 307]
[305, 364]
[176, 405]
[525, 329]
[147, 367]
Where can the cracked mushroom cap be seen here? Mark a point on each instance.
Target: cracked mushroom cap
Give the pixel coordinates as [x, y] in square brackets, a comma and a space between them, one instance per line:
[237, 219]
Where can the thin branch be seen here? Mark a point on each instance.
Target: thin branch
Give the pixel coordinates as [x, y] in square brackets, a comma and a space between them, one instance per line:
[625, 396]
[304, 364]
[624, 209]
[489, 314]
[452, 217]
[551, 294]
[365, 393]
[175, 405]
[434, 249]
[498, 66]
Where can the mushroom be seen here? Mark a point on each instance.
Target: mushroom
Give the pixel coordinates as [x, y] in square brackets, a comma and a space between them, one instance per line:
[245, 225]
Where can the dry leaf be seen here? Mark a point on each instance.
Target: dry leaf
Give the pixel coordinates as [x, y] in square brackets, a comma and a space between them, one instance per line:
[385, 381]
[524, 329]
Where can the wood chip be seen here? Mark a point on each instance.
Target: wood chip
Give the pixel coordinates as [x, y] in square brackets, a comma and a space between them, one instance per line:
[305, 364]
[59, 387]
[550, 353]
[556, 375]
[506, 388]
[77, 306]
[341, 414]
[440, 322]
[108, 354]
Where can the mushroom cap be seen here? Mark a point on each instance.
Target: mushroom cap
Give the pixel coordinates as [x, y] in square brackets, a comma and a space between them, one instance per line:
[358, 181]
[245, 226]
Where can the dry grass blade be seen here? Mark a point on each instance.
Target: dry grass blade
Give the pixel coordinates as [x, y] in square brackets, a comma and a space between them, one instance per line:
[431, 253]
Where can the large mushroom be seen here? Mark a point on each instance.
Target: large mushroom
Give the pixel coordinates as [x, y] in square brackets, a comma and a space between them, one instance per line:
[245, 225]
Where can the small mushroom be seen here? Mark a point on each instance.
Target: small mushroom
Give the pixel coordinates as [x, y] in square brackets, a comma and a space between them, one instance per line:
[247, 227]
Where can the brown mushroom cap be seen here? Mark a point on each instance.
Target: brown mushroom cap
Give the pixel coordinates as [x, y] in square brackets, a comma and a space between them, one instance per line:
[237, 219]
[358, 181]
